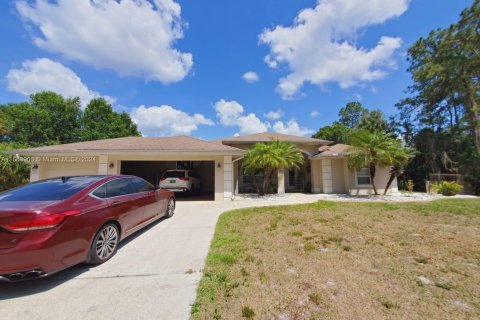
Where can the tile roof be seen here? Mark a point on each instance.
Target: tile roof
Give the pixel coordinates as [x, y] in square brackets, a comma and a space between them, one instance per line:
[268, 136]
[336, 150]
[139, 144]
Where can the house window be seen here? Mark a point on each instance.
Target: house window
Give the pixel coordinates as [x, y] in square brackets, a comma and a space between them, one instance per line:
[363, 176]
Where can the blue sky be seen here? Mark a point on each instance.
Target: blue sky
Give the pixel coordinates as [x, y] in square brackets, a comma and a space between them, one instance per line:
[178, 67]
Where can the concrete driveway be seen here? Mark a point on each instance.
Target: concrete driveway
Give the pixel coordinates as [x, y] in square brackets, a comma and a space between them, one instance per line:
[154, 274]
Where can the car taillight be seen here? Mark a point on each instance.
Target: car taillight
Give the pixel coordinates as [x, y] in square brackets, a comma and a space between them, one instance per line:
[162, 179]
[184, 179]
[40, 222]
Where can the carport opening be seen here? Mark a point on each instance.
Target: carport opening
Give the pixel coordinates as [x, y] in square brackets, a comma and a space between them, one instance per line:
[152, 171]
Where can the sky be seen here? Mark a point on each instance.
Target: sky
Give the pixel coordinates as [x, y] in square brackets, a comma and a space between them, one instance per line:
[217, 68]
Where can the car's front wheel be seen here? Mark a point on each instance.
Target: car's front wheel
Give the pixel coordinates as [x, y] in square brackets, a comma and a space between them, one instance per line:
[105, 244]
[170, 208]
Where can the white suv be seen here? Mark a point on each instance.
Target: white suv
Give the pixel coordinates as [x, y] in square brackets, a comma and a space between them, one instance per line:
[179, 180]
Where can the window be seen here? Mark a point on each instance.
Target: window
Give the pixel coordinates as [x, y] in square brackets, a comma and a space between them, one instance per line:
[49, 190]
[174, 174]
[363, 176]
[141, 185]
[101, 192]
[119, 187]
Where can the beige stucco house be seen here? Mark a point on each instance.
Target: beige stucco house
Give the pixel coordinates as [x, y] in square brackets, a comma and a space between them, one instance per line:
[218, 163]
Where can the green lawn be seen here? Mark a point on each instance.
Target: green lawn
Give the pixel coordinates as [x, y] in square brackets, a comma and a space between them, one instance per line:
[332, 260]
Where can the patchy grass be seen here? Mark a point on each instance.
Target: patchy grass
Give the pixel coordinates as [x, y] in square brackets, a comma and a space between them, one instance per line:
[345, 260]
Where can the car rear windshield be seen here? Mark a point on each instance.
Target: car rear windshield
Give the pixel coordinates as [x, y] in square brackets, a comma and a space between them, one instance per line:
[49, 190]
[174, 174]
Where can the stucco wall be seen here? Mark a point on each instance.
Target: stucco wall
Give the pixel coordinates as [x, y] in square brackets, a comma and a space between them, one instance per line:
[381, 178]
[338, 176]
[223, 172]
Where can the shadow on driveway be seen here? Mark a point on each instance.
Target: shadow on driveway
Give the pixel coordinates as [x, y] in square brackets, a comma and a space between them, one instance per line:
[11, 290]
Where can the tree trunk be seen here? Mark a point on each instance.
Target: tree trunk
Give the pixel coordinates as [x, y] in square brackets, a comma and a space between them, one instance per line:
[474, 112]
[392, 177]
[372, 177]
[266, 180]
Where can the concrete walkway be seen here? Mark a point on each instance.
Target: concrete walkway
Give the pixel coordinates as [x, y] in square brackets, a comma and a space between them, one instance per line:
[154, 274]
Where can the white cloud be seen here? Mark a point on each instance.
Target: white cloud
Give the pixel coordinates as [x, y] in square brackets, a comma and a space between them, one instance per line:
[314, 113]
[230, 113]
[250, 77]
[46, 75]
[132, 37]
[274, 115]
[320, 45]
[166, 121]
[291, 127]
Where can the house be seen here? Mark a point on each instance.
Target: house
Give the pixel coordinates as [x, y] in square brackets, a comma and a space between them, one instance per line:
[218, 163]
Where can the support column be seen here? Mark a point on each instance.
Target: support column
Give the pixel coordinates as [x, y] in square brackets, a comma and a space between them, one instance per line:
[327, 180]
[227, 177]
[281, 180]
[103, 164]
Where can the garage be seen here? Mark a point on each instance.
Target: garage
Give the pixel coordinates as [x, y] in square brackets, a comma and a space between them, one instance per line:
[152, 171]
[146, 157]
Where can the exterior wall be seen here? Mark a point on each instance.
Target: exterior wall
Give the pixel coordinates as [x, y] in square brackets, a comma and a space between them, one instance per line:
[338, 176]
[111, 164]
[316, 167]
[381, 178]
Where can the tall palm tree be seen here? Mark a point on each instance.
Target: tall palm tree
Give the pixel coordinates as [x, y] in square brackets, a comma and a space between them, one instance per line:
[370, 149]
[271, 156]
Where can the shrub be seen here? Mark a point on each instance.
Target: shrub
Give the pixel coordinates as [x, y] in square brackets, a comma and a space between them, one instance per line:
[410, 185]
[447, 188]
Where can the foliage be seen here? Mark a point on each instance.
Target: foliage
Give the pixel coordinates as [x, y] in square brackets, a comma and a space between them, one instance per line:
[351, 114]
[372, 149]
[441, 117]
[447, 188]
[337, 133]
[410, 185]
[272, 156]
[99, 121]
[48, 119]
[373, 121]
[13, 172]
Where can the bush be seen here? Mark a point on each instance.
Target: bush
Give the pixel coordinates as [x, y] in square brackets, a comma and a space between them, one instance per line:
[447, 188]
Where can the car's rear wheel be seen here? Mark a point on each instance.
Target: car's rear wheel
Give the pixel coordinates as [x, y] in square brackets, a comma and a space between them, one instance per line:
[170, 208]
[105, 244]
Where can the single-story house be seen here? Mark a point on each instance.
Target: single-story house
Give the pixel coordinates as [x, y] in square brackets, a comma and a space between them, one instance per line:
[218, 163]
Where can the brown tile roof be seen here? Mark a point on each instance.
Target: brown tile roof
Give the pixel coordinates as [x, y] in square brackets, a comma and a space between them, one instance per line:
[140, 144]
[268, 136]
[336, 150]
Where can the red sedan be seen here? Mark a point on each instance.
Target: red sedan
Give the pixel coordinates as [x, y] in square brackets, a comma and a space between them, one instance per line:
[50, 225]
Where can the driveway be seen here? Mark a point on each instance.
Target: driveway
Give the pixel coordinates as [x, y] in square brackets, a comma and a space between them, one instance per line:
[154, 274]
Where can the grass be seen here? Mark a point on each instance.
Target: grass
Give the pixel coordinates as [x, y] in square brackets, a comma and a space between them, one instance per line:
[344, 261]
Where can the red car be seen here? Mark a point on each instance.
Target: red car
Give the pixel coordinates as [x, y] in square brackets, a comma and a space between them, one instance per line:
[50, 225]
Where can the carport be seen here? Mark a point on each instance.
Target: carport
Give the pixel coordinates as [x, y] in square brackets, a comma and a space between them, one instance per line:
[153, 170]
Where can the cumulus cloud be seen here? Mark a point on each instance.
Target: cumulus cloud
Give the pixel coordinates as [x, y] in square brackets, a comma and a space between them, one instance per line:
[250, 77]
[230, 114]
[46, 75]
[320, 45]
[165, 120]
[314, 113]
[274, 115]
[132, 37]
[291, 127]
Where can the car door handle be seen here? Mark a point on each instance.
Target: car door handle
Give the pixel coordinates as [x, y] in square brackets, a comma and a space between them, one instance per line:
[115, 203]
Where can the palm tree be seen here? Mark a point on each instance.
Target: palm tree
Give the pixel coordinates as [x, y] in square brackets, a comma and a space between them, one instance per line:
[271, 156]
[370, 149]
[399, 156]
